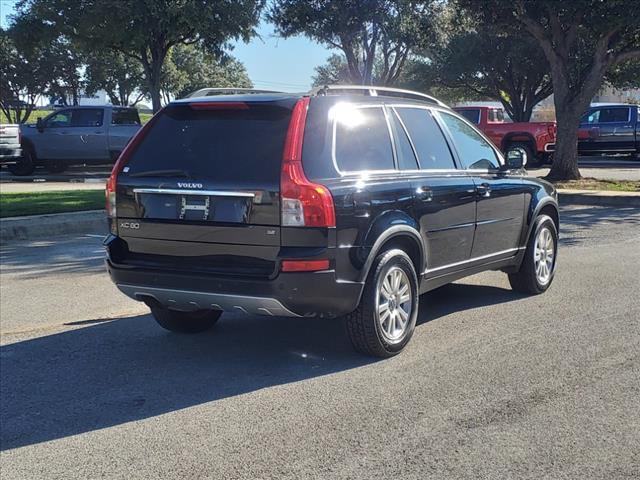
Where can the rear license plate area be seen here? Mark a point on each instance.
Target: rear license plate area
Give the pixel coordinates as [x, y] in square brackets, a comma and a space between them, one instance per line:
[194, 207]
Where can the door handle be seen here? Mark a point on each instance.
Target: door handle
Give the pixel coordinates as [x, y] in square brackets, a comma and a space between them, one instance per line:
[424, 193]
[484, 190]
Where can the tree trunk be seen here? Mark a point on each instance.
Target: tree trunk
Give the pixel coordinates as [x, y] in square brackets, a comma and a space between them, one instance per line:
[565, 157]
[154, 79]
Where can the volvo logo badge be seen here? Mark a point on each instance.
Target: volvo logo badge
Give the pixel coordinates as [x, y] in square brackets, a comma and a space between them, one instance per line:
[189, 185]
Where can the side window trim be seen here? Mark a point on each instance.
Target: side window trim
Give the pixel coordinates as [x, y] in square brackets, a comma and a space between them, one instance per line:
[406, 132]
[447, 139]
[393, 140]
[334, 127]
[497, 152]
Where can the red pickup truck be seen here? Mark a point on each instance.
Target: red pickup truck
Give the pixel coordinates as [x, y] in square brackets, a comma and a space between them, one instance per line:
[538, 139]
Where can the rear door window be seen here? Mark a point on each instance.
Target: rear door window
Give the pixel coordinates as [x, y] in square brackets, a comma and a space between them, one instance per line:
[87, 117]
[428, 140]
[124, 116]
[475, 152]
[614, 115]
[241, 145]
[471, 114]
[362, 140]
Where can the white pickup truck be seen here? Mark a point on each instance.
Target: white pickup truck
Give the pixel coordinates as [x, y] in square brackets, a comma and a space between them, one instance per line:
[10, 151]
[91, 135]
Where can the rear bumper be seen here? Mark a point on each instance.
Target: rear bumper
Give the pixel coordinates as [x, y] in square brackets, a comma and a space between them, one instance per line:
[307, 294]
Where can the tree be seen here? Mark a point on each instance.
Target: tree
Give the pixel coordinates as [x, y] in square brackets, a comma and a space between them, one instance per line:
[334, 72]
[200, 69]
[118, 75]
[63, 56]
[581, 40]
[364, 30]
[494, 63]
[24, 76]
[146, 30]
[625, 75]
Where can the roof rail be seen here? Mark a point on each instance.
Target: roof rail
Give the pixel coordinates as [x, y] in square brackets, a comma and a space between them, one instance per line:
[374, 91]
[209, 92]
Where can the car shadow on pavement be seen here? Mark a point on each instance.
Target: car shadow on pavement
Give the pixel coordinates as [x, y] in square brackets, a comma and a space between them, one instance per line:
[128, 369]
[458, 297]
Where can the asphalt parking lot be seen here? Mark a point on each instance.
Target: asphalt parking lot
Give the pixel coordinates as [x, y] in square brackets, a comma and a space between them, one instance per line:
[493, 385]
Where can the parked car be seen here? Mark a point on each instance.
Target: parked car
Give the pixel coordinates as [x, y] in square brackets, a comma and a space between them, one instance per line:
[608, 129]
[10, 151]
[344, 202]
[77, 135]
[537, 139]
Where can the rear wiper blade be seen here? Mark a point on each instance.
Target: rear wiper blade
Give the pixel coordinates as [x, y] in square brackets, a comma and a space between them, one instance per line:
[161, 173]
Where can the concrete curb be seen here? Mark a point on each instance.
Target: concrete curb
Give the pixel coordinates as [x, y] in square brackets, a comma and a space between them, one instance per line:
[598, 198]
[38, 226]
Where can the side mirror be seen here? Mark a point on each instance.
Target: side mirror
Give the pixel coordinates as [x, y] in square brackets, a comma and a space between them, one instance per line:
[40, 125]
[516, 159]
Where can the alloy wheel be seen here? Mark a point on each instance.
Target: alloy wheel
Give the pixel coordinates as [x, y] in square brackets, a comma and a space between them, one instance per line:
[544, 256]
[394, 304]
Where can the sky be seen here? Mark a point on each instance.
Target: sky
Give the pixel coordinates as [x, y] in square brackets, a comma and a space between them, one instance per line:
[273, 63]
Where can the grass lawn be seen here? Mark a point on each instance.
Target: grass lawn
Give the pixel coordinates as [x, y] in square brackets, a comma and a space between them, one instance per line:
[35, 203]
[595, 184]
[36, 114]
[144, 117]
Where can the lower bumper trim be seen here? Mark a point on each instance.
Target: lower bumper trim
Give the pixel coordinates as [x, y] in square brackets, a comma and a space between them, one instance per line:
[186, 300]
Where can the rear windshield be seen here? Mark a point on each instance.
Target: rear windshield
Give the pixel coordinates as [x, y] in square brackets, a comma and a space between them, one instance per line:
[243, 144]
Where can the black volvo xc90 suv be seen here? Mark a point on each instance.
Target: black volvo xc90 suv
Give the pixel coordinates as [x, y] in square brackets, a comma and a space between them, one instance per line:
[346, 201]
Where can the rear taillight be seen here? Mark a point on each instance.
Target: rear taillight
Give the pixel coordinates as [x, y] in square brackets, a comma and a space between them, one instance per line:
[123, 159]
[552, 129]
[303, 203]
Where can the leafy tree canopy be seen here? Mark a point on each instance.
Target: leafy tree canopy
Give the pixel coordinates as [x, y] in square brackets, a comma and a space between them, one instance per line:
[366, 31]
[196, 69]
[146, 30]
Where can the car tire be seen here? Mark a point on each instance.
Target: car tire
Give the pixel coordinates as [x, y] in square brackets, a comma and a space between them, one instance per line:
[532, 160]
[26, 165]
[539, 263]
[56, 166]
[185, 322]
[383, 332]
